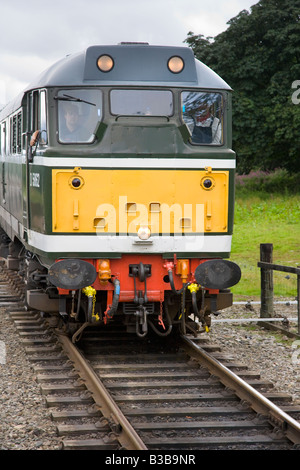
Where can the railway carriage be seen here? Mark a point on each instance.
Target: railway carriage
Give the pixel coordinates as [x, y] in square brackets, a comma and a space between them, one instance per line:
[117, 190]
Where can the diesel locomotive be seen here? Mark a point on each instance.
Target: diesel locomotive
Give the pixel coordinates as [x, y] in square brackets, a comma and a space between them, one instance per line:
[117, 190]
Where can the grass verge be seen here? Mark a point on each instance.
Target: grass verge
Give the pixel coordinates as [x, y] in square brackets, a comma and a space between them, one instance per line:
[261, 217]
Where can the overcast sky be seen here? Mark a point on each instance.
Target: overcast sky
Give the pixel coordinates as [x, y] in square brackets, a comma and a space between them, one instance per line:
[35, 33]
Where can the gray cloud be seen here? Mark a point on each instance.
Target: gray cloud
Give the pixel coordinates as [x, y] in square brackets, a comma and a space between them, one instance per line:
[34, 34]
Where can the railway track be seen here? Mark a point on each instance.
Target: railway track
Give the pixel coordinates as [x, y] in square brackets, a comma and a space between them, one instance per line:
[110, 392]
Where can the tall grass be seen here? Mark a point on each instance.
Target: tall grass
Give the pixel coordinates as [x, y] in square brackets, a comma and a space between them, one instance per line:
[264, 214]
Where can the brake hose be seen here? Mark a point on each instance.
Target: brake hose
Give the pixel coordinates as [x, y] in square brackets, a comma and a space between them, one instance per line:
[170, 272]
[115, 302]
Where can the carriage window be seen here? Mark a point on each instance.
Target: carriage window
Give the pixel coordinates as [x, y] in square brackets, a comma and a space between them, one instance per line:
[142, 102]
[16, 133]
[203, 116]
[13, 134]
[79, 112]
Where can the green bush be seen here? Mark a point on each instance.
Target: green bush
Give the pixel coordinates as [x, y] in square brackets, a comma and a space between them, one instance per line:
[277, 182]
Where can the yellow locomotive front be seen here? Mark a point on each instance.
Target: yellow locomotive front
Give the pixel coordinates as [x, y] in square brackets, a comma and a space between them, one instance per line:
[154, 220]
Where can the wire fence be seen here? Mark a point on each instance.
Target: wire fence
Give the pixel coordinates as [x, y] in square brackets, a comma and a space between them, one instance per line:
[267, 267]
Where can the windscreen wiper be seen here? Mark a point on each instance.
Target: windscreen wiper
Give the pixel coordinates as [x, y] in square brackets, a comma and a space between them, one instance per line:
[72, 98]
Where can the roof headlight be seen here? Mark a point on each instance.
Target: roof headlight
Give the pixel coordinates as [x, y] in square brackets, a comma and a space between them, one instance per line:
[105, 63]
[175, 64]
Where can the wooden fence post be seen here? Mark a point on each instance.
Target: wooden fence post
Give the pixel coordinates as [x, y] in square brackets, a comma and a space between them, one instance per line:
[266, 279]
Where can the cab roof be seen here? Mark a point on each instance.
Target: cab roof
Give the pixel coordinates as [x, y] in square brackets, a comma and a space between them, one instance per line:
[137, 64]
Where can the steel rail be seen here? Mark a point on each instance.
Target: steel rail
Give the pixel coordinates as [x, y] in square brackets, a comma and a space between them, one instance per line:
[289, 426]
[126, 435]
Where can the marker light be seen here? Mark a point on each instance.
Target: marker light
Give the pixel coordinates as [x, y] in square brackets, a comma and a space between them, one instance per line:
[76, 182]
[105, 63]
[144, 233]
[175, 64]
[207, 183]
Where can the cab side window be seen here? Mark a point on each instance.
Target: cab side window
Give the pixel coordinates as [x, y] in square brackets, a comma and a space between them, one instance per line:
[38, 115]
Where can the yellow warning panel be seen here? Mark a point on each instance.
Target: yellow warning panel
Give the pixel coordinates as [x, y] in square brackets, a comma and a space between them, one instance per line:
[122, 201]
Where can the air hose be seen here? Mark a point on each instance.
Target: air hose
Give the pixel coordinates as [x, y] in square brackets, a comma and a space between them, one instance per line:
[115, 302]
[178, 292]
[194, 304]
[193, 288]
[170, 272]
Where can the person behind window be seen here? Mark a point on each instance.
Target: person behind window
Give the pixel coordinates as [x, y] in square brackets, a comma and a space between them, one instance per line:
[207, 128]
[72, 130]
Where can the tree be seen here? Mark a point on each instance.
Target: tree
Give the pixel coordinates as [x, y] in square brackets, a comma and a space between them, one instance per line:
[259, 56]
